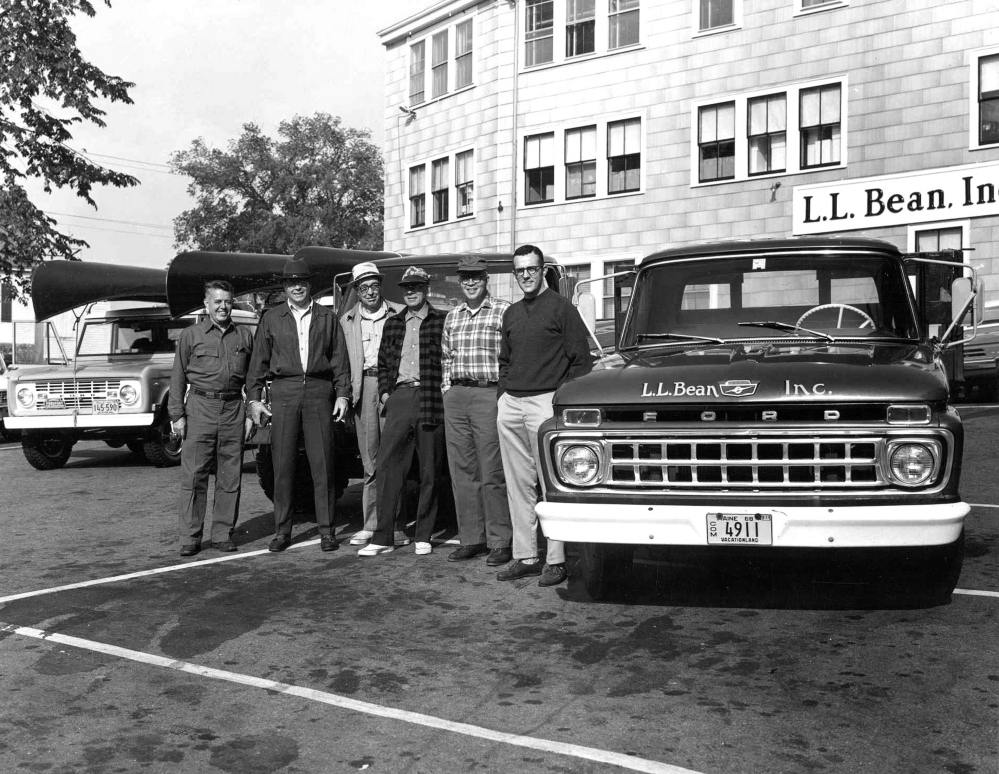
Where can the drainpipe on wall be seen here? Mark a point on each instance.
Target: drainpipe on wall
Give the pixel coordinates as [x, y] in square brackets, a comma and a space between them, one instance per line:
[516, 115]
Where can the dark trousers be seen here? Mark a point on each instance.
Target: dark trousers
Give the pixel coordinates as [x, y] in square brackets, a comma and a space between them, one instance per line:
[473, 455]
[302, 406]
[214, 432]
[401, 436]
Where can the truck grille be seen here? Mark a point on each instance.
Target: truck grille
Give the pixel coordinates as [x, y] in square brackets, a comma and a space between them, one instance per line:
[80, 393]
[759, 463]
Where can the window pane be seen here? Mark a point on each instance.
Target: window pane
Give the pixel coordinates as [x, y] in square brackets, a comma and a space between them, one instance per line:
[547, 150]
[463, 38]
[416, 180]
[440, 47]
[726, 121]
[624, 29]
[416, 71]
[463, 167]
[708, 124]
[580, 38]
[716, 13]
[439, 175]
[632, 136]
[615, 139]
[778, 152]
[580, 10]
[589, 143]
[989, 117]
[539, 24]
[810, 107]
[572, 143]
[830, 105]
[988, 77]
[757, 116]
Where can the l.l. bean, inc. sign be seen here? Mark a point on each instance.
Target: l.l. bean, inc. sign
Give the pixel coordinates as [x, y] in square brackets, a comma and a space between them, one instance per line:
[969, 191]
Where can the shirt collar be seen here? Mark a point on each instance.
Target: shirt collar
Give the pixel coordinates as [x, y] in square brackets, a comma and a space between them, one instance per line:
[378, 314]
[487, 303]
[421, 314]
[303, 312]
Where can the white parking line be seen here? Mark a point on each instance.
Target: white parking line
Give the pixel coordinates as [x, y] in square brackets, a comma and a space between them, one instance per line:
[983, 505]
[543, 745]
[973, 593]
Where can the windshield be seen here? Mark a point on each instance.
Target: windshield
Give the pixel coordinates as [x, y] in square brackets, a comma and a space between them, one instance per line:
[770, 297]
[131, 336]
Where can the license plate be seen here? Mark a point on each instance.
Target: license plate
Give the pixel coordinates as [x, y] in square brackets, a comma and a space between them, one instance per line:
[740, 529]
[106, 406]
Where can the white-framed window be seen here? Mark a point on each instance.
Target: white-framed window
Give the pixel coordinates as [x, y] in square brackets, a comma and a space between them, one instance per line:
[589, 27]
[783, 130]
[622, 23]
[437, 78]
[931, 237]
[463, 54]
[582, 269]
[417, 72]
[539, 168]
[440, 186]
[464, 184]
[984, 99]
[417, 196]
[581, 162]
[711, 16]
[445, 182]
[593, 159]
[438, 63]
[814, 6]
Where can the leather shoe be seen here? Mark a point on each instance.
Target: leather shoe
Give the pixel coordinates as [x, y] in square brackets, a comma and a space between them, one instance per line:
[499, 556]
[519, 570]
[553, 575]
[467, 552]
[328, 543]
[279, 543]
[226, 545]
[190, 550]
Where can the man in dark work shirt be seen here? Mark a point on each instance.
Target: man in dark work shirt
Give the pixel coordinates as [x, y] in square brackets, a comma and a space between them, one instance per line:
[544, 344]
[212, 358]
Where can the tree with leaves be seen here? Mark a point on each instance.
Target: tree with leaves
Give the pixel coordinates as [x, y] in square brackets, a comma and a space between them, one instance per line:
[46, 86]
[318, 183]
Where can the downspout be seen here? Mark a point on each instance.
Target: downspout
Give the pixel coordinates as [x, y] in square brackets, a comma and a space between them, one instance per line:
[516, 115]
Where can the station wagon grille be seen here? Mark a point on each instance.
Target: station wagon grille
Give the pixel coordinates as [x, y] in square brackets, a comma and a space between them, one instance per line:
[760, 463]
[80, 393]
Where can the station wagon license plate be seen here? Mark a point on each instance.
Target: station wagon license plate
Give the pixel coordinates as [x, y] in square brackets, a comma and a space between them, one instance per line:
[740, 529]
[106, 406]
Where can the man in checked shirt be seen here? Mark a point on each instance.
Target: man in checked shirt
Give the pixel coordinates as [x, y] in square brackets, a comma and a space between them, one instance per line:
[469, 349]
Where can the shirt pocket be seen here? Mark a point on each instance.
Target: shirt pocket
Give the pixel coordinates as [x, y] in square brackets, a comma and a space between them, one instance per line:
[241, 360]
[203, 350]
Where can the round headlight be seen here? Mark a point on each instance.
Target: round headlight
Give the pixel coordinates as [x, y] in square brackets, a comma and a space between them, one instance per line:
[911, 464]
[26, 396]
[579, 465]
[128, 394]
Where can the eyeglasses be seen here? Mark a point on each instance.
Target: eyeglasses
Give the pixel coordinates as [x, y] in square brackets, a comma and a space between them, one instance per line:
[373, 287]
[528, 271]
[471, 280]
[414, 288]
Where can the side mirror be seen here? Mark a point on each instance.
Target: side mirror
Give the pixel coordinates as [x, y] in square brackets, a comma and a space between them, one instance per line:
[961, 291]
[587, 306]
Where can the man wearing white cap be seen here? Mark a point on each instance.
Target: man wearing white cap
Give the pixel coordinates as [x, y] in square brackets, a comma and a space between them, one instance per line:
[362, 326]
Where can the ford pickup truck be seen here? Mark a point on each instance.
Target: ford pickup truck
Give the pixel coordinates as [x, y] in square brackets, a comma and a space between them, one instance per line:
[766, 397]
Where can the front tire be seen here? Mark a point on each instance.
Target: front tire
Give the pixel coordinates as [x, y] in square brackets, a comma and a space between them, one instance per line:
[47, 453]
[606, 569]
[163, 450]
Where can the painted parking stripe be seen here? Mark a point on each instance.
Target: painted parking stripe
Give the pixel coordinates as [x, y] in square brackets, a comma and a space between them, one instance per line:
[974, 593]
[479, 732]
[983, 505]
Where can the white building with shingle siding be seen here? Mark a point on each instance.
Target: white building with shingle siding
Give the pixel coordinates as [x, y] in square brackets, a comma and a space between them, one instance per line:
[602, 130]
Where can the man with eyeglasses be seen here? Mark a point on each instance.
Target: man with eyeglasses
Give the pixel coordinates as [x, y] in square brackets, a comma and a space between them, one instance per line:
[362, 327]
[470, 349]
[300, 350]
[544, 344]
[409, 384]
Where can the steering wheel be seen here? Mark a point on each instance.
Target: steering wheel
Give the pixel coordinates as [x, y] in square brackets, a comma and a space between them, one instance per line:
[867, 322]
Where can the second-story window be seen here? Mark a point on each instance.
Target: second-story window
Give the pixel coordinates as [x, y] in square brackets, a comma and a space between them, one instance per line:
[716, 142]
[581, 162]
[439, 63]
[463, 183]
[580, 27]
[439, 185]
[988, 100]
[768, 134]
[716, 13]
[622, 23]
[417, 196]
[539, 31]
[417, 68]
[820, 126]
[539, 168]
[624, 156]
[463, 54]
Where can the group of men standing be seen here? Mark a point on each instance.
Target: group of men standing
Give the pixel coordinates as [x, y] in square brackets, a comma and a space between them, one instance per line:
[480, 380]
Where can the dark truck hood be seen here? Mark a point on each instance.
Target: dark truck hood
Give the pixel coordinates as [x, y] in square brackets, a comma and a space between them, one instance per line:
[754, 373]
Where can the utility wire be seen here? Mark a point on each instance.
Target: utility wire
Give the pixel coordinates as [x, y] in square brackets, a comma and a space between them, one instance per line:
[119, 231]
[108, 220]
[133, 161]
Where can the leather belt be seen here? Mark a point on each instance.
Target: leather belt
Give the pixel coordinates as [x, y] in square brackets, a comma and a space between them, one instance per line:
[371, 372]
[231, 395]
[407, 384]
[474, 383]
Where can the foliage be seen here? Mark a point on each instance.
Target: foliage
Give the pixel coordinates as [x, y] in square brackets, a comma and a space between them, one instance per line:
[318, 183]
[40, 63]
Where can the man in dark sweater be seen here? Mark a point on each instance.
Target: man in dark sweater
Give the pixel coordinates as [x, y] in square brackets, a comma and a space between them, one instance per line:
[544, 344]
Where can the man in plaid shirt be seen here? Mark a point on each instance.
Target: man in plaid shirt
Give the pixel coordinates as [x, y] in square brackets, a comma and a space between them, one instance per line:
[470, 349]
[409, 383]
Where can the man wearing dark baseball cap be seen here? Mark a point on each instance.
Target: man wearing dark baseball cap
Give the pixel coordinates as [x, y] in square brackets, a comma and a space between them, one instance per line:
[470, 349]
[409, 383]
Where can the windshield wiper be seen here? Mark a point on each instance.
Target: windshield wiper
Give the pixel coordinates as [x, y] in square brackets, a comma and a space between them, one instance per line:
[682, 336]
[783, 326]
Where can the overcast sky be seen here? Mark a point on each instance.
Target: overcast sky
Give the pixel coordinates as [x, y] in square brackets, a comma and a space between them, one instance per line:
[203, 68]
